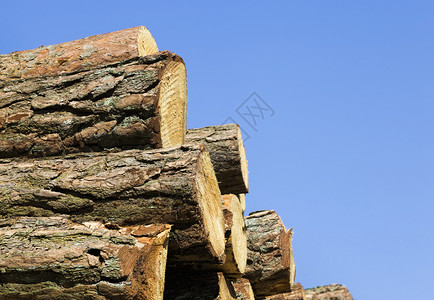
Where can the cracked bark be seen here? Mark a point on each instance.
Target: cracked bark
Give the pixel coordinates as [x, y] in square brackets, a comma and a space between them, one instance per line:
[297, 293]
[135, 103]
[329, 292]
[228, 156]
[54, 258]
[167, 186]
[78, 55]
[270, 263]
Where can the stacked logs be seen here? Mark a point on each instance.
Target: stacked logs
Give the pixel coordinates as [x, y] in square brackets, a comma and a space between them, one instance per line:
[106, 195]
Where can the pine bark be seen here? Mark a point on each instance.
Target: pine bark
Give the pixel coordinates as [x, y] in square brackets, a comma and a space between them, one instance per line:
[297, 293]
[174, 186]
[270, 263]
[243, 289]
[78, 55]
[54, 258]
[205, 285]
[136, 103]
[329, 292]
[228, 156]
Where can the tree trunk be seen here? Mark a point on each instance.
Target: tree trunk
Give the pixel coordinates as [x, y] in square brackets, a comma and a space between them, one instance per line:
[228, 156]
[329, 292]
[236, 243]
[297, 293]
[168, 186]
[205, 285]
[54, 257]
[137, 103]
[235, 260]
[78, 55]
[243, 289]
[270, 263]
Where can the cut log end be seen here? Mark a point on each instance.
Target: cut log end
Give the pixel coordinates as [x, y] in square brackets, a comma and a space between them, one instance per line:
[145, 42]
[243, 160]
[243, 289]
[76, 259]
[173, 105]
[209, 199]
[236, 247]
[226, 148]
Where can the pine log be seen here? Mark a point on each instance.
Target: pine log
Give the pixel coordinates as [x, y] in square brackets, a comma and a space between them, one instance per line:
[236, 243]
[78, 55]
[270, 263]
[243, 289]
[329, 292]
[54, 258]
[174, 186]
[235, 258]
[228, 156]
[205, 285]
[297, 293]
[136, 103]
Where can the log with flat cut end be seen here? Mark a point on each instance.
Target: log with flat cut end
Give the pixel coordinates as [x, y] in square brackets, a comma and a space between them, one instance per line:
[243, 289]
[236, 243]
[270, 263]
[136, 103]
[329, 292]
[228, 156]
[78, 55]
[200, 285]
[168, 186]
[235, 260]
[54, 258]
[297, 293]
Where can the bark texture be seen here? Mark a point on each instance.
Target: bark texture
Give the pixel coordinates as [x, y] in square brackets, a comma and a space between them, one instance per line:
[329, 292]
[205, 285]
[78, 55]
[169, 186]
[52, 258]
[270, 264]
[228, 156]
[243, 289]
[297, 293]
[136, 103]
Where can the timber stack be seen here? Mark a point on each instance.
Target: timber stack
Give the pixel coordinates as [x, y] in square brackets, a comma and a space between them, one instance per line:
[106, 195]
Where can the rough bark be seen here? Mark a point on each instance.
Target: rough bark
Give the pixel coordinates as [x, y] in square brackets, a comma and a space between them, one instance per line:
[228, 156]
[329, 292]
[270, 264]
[243, 289]
[78, 55]
[236, 241]
[136, 103]
[168, 186]
[54, 258]
[297, 293]
[205, 285]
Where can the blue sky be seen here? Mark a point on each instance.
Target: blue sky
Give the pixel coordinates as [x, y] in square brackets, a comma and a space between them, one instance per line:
[347, 159]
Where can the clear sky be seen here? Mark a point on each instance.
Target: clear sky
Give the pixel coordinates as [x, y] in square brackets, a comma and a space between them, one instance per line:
[345, 151]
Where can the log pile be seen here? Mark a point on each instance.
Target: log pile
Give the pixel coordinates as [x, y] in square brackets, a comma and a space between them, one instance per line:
[104, 193]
